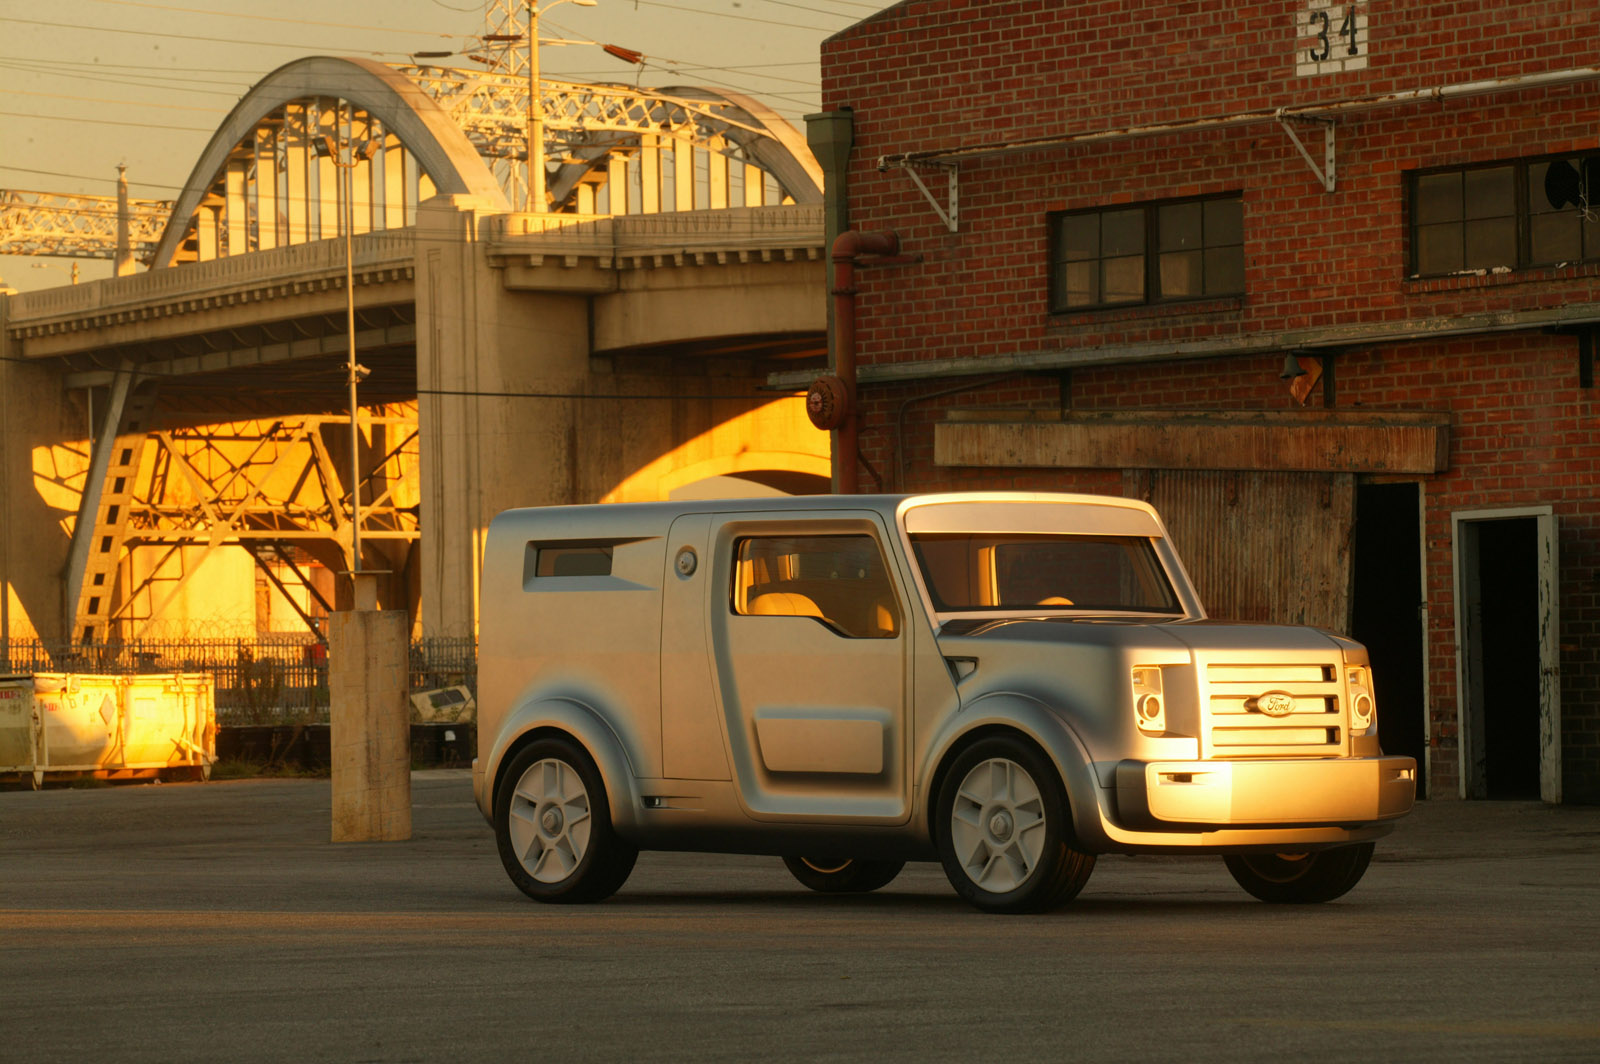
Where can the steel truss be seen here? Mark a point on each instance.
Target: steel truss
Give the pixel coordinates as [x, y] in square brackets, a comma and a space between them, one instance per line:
[79, 227]
[493, 110]
[262, 485]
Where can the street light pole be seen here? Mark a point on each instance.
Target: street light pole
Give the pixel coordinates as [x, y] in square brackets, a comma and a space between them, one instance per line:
[349, 175]
[346, 192]
[536, 195]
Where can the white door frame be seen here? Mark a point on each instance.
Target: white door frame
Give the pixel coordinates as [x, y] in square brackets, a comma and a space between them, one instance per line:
[1549, 646]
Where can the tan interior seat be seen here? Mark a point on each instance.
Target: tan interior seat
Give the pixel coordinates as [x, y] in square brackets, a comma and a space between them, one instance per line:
[783, 604]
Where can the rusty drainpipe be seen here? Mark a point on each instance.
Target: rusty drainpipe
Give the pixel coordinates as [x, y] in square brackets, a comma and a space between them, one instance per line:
[852, 242]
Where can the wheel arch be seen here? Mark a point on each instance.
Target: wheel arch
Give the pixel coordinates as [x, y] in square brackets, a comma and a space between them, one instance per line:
[1034, 724]
[566, 719]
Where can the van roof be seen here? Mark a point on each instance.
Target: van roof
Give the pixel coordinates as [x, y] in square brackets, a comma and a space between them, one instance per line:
[611, 520]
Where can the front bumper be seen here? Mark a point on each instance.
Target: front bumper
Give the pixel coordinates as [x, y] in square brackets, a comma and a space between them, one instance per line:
[1265, 792]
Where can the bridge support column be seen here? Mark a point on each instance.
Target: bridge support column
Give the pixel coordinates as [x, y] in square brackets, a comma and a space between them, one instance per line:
[38, 426]
[487, 362]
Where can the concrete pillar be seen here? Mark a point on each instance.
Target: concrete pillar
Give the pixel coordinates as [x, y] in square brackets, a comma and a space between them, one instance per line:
[296, 161]
[235, 216]
[370, 719]
[363, 177]
[328, 221]
[650, 173]
[754, 185]
[394, 183]
[266, 189]
[482, 447]
[205, 233]
[40, 428]
[124, 261]
[716, 176]
[616, 185]
[683, 174]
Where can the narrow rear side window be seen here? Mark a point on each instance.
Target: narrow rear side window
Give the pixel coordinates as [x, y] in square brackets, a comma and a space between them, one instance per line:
[573, 561]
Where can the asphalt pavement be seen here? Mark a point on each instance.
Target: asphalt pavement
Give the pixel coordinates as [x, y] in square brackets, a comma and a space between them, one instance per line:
[216, 922]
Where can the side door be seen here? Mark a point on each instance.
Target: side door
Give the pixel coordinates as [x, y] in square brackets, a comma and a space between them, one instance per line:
[810, 655]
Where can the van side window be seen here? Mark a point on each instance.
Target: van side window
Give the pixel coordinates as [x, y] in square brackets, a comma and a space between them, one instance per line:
[839, 580]
[574, 561]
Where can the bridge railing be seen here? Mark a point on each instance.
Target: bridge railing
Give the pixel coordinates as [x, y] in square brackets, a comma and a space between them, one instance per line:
[318, 259]
[266, 680]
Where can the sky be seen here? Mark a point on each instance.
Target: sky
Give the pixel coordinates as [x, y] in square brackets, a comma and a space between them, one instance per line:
[87, 85]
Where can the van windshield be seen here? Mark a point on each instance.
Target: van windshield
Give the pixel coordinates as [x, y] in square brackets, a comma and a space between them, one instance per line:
[993, 572]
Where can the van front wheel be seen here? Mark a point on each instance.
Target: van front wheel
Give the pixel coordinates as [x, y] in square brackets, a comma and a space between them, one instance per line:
[1005, 836]
[553, 826]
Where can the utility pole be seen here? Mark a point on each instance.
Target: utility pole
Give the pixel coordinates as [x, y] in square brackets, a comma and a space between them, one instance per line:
[536, 194]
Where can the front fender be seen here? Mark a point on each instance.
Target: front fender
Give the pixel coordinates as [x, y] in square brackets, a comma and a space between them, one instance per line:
[1033, 719]
[590, 731]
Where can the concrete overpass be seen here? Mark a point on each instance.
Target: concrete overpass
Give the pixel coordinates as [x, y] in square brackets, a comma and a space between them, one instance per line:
[155, 420]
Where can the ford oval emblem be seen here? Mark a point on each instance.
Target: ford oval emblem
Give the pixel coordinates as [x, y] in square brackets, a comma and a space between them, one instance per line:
[1275, 703]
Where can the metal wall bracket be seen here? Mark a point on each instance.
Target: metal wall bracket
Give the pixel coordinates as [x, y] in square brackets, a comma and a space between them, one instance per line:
[950, 217]
[1325, 172]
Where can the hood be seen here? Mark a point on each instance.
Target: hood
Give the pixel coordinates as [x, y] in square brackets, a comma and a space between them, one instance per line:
[1190, 635]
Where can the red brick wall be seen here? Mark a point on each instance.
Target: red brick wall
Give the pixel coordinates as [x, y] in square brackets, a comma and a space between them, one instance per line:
[947, 73]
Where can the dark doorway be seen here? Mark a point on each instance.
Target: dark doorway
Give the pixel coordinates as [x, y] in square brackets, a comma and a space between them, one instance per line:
[1386, 614]
[1501, 588]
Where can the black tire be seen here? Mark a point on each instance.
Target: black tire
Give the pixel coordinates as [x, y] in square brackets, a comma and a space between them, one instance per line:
[553, 826]
[1008, 852]
[842, 875]
[1300, 878]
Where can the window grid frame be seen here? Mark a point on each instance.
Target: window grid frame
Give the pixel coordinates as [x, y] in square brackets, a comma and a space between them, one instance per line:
[1153, 296]
[1522, 215]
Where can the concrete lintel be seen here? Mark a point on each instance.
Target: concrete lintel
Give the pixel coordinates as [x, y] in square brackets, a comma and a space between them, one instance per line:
[554, 275]
[1310, 441]
[1333, 337]
[540, 247]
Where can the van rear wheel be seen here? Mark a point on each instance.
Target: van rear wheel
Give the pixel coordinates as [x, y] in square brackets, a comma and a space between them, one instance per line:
[553, 828]
[1300, 878]
[1005, 836]
[842, 875]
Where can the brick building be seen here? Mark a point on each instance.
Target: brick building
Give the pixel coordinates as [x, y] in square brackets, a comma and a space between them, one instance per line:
[1123, 225]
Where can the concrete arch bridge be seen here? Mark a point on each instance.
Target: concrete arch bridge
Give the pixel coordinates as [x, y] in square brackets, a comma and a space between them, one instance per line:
[610, 346]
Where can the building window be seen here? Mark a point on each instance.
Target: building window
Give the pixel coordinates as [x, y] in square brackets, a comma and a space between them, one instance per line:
[1531, 212]
[1153, 253]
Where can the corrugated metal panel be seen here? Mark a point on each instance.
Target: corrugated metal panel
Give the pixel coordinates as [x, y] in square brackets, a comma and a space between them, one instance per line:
[1260, 546]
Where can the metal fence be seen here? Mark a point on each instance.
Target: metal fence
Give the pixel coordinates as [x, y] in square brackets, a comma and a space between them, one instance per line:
[266, 680]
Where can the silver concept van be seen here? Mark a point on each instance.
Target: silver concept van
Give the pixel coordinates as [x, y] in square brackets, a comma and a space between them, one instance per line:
[1007, 683]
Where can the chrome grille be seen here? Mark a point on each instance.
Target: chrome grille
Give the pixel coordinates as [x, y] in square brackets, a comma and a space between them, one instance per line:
[1275, 710]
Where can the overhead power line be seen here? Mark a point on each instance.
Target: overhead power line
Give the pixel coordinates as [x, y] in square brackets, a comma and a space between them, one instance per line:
[299, 47]
[108, 122]
[264, 18]
[125, 102]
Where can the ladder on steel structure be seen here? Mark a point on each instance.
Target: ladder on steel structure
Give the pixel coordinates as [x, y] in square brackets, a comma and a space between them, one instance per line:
[92, 611]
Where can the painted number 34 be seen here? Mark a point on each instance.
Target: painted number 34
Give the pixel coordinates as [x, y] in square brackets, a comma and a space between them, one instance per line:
[1322, 24]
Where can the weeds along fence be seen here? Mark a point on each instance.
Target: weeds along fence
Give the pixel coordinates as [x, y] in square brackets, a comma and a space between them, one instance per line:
[265, 680]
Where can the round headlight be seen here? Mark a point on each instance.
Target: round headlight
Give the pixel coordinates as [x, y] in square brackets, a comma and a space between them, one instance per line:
[1149, 706]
